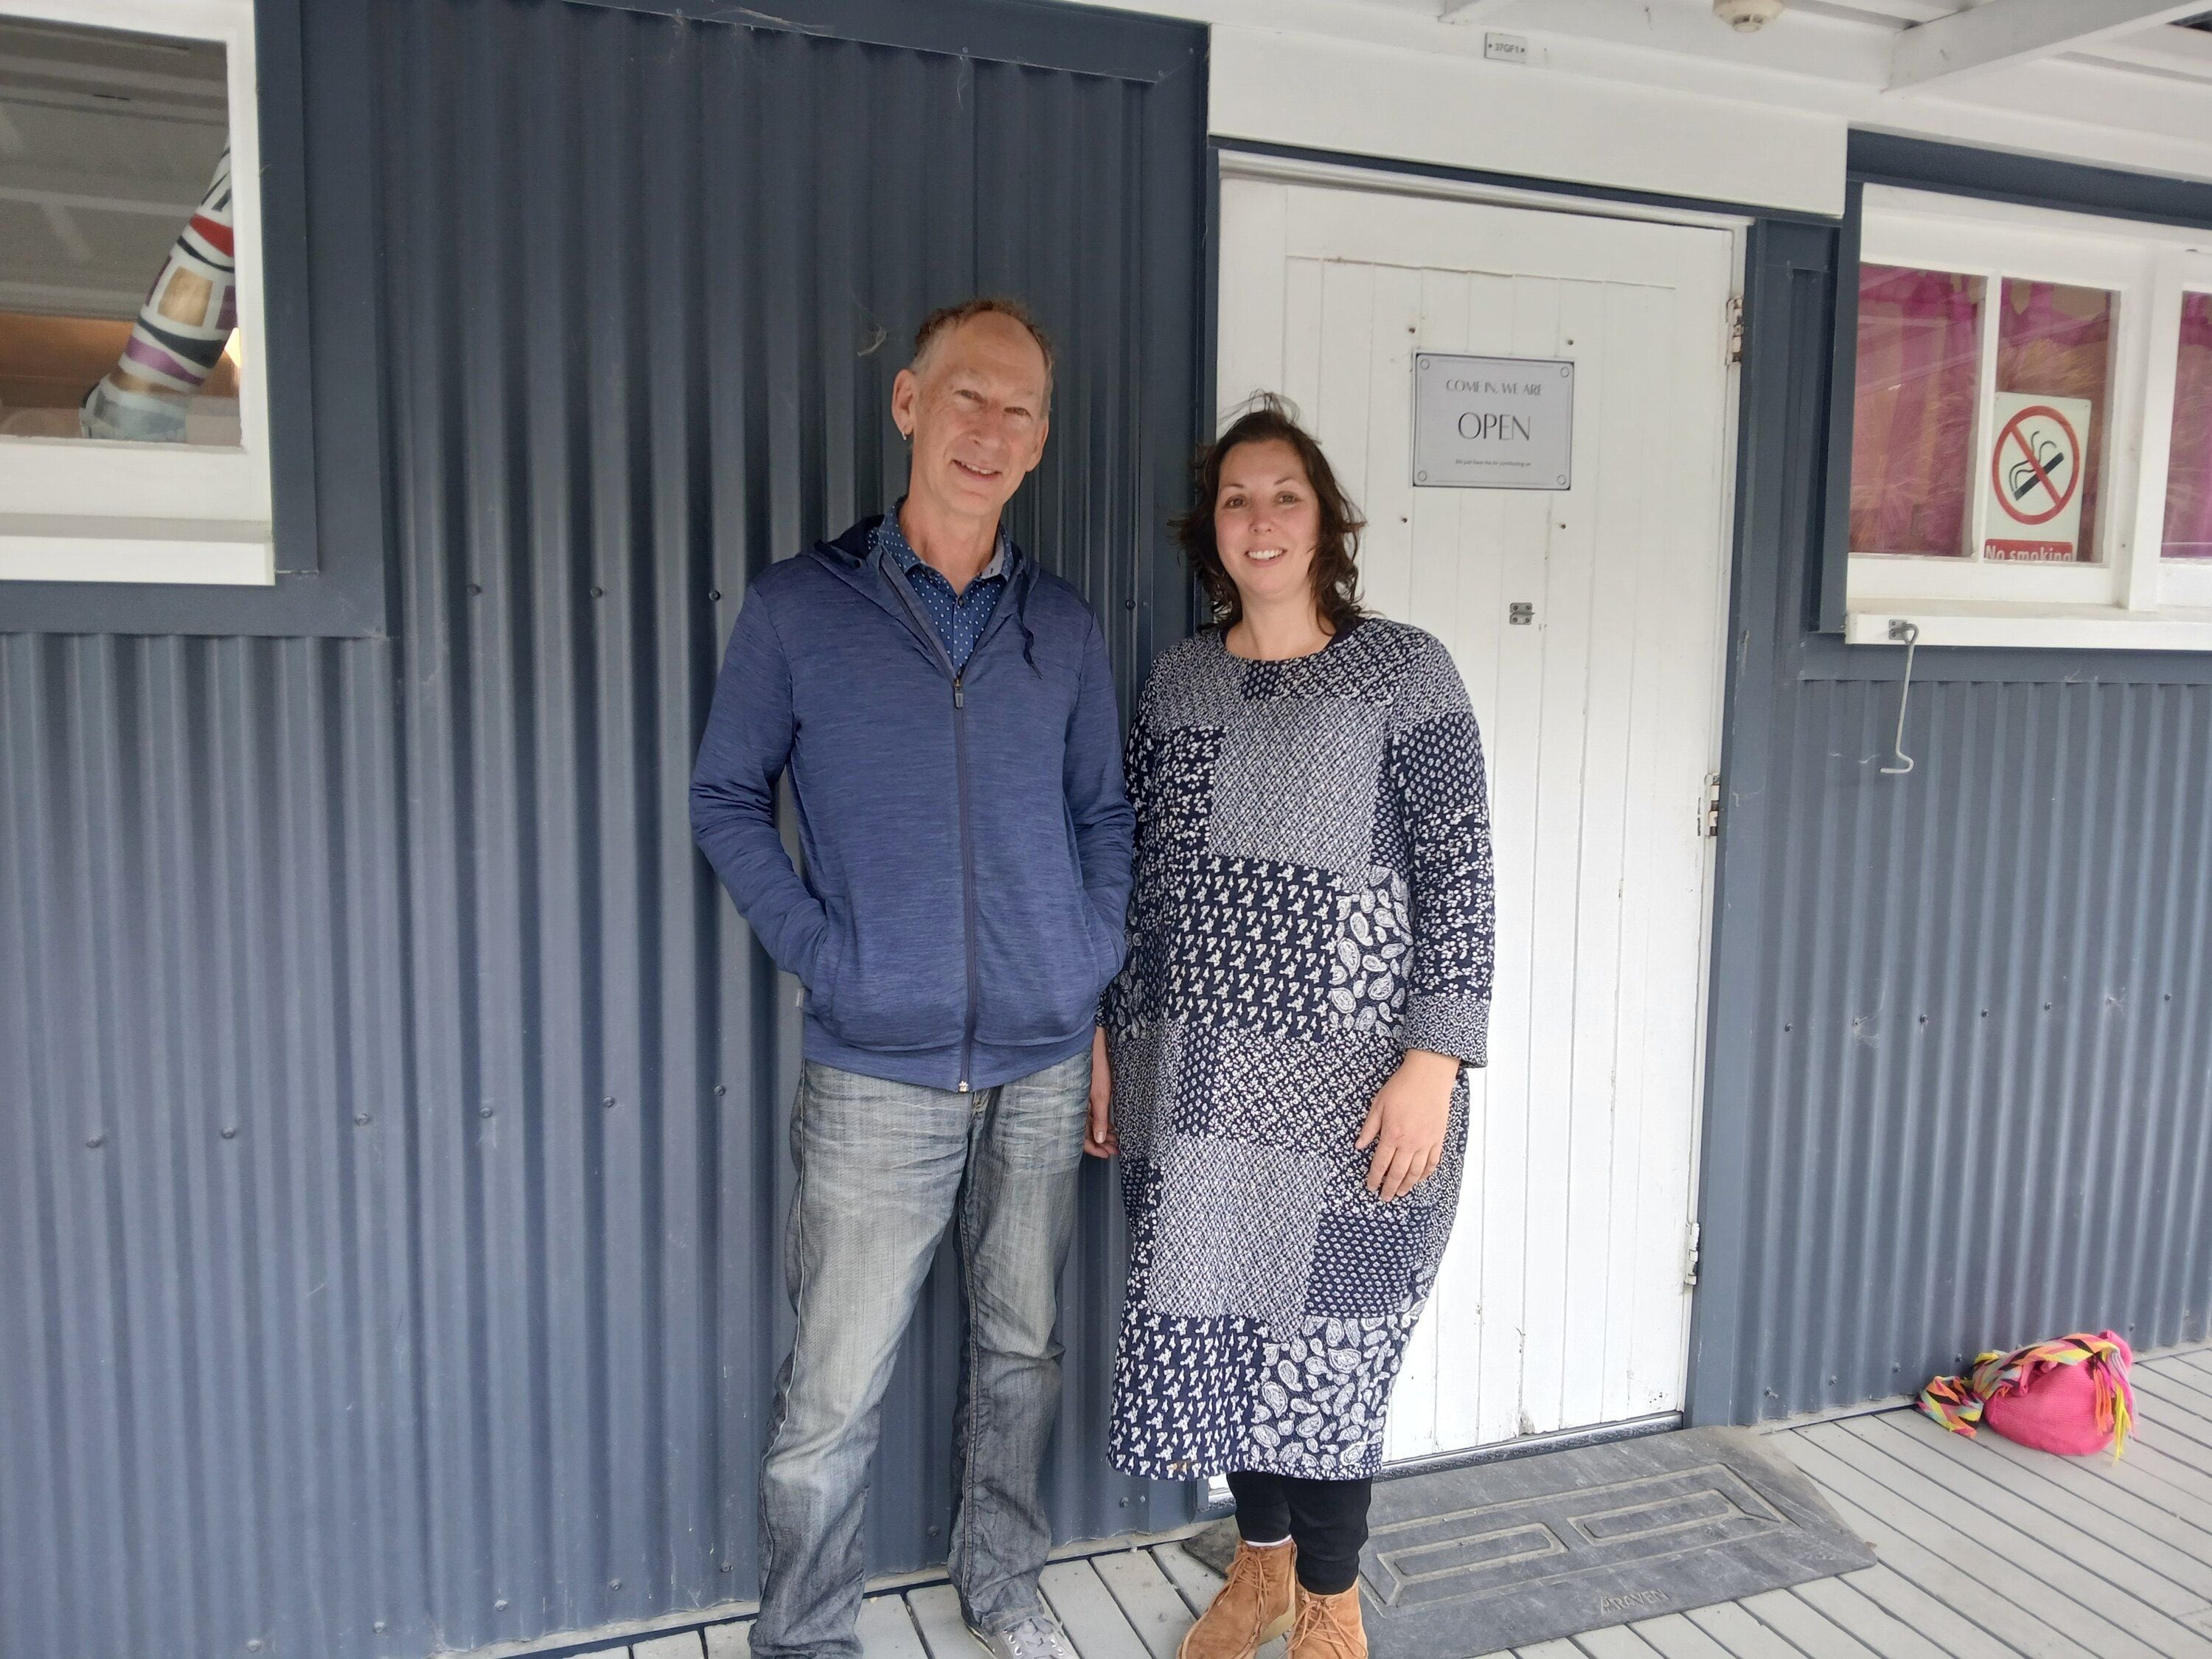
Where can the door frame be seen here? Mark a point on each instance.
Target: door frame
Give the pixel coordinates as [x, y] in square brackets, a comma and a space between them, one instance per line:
[1239, 160]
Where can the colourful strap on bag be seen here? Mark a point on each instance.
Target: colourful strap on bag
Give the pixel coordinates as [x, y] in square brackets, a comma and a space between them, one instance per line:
[1957, 1402]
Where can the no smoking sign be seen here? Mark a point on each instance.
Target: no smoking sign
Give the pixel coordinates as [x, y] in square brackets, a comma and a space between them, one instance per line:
[2034, 480]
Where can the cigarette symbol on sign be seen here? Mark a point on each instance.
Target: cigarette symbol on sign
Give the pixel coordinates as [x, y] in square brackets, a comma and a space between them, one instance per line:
[2041, 468]
[2036, 466]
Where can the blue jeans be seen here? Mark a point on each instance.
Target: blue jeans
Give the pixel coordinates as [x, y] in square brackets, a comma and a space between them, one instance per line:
[883, 1169]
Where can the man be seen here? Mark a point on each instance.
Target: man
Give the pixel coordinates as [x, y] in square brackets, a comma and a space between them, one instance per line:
[946, 712]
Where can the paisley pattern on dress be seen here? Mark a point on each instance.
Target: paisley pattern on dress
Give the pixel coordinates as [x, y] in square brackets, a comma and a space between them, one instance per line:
[1314, 897]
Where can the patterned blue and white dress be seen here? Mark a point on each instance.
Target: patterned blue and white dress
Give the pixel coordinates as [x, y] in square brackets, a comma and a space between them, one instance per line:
[1313, 898]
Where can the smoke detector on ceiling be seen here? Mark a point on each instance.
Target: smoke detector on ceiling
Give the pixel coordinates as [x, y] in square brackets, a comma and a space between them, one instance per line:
[1745, 15]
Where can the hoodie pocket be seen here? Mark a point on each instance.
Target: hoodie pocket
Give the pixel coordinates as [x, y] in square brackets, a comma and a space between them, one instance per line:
[1043, 965]
[890, 994]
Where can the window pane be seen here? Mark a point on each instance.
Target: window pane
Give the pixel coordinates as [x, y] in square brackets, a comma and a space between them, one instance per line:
[117, 311]
[2054, 345]
[1913, 429]
[2188, 473]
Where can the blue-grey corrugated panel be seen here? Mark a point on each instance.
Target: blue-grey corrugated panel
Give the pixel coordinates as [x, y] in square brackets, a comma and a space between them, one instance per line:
[391, 1105]
[1961, 1068]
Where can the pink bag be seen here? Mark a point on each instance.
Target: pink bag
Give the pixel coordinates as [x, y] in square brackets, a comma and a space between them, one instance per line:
[2070, 1396]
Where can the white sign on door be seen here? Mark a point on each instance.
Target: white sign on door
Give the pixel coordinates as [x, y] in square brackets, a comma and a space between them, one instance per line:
[1493, 422]
[2034, 478]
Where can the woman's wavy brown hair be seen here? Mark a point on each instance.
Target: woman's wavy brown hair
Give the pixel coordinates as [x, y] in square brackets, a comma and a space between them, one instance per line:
[1335, 569]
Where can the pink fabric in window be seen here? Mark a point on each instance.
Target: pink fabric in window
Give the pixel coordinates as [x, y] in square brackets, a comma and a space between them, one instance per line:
[1914, 419]
[2188, 470]
[2055, 341]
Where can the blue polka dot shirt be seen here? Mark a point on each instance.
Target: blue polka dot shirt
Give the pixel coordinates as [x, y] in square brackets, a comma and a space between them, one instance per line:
[958, 617]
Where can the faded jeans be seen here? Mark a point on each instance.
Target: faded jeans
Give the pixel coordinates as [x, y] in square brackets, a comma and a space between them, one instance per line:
[883, 1169]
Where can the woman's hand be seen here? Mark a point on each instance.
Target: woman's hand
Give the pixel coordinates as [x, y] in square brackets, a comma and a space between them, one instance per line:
[1406, 1123]
[1098, 1138]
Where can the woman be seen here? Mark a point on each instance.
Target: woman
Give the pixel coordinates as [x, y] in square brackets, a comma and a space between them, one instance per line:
[1309, 971]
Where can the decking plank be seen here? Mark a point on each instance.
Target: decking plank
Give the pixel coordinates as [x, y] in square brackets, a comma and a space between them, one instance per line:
[1805, 1625]
[1088, 1611]
[1892, 1637]
[1894, 1615]
[1675, 1637]
[1194, 1580]
[1614, 1642]
[2124, 1489]
[2042, 1485]
[2179, 1409]
[683, 1645]
[887, 1630]
[1743, 1635]
[2183, 1379]
[1148, 1599]
[730, 1641]
[1934, 1544]
[935, 1610]
[2090, 1572]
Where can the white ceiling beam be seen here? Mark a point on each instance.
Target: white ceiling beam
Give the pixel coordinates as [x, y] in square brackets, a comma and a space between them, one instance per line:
[2001, 33]
[2186, 52]
[64, 226]
[1470, 11]
[96, 192]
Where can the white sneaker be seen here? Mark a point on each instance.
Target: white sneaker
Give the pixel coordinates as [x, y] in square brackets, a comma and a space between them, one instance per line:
[1037, 1637]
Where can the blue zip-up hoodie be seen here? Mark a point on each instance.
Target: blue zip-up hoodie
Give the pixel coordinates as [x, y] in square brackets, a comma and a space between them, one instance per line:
[966, 837]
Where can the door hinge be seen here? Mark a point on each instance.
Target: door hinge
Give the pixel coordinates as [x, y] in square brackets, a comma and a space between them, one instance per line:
[1689, 1257]
[1709, 820]
[1735, 328]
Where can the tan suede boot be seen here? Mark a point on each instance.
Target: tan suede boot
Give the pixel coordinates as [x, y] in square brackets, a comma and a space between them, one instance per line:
[1249, 1611]
[1328, 1626]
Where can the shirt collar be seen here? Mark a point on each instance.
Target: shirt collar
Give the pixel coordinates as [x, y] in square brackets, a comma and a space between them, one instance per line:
[891, 538]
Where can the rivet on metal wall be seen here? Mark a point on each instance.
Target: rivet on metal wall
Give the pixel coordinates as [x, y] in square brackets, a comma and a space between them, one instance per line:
[361, 1119]
[722, 1088]
[96, 1140]
[614, 1583]
[715, 595]
[598, 592]
[230, 1131]
[484, 1111]
[378, 1627]
[475, 589]
[253, 1646]
[500, 1606]
[607, 1101]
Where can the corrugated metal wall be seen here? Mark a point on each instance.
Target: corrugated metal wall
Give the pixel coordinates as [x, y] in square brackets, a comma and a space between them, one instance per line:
[391, 1106]
[1960, 1072]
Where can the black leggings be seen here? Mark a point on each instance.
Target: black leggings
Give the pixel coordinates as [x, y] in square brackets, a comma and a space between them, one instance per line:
[1326, 1518]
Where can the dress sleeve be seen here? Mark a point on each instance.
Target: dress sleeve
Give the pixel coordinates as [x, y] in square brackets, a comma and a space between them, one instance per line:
[1443, 805]
[1116, 1003]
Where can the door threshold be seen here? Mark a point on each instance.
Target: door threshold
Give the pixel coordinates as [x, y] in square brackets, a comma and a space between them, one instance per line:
[1218, 1502]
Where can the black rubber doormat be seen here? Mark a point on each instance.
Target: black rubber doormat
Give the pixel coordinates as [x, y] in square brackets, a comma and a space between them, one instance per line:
[1466, 1561]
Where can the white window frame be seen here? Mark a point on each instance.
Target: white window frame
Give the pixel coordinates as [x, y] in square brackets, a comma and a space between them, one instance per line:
[2132, 597]
[78, 510]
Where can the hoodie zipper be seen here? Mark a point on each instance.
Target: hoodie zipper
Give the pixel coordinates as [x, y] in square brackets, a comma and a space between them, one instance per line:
[914, 613]
[967, 867]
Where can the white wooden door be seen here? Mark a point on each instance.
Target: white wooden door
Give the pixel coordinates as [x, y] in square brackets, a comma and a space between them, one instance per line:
[1563, 1301]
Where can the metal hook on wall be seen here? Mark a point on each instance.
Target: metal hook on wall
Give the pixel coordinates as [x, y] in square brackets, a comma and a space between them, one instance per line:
[1909, 634]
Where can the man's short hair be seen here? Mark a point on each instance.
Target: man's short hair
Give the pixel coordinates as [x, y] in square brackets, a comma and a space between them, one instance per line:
[946, 317]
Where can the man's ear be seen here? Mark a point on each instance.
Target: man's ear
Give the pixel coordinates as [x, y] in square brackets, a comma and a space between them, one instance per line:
[906, 392]
[1037, 454]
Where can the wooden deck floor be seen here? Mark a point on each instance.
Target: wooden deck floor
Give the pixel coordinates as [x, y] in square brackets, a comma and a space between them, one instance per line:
[1987, 1552]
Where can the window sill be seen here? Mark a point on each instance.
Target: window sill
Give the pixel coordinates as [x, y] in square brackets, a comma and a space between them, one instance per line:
[192, 552]
[2058, 628]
